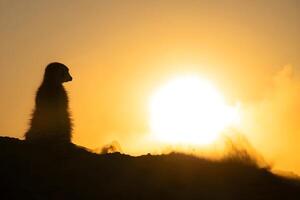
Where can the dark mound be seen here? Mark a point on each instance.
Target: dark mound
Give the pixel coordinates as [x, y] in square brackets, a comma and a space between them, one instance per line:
[69, 172]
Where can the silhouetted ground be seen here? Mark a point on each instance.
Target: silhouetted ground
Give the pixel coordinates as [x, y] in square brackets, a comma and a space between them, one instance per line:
[71, 172]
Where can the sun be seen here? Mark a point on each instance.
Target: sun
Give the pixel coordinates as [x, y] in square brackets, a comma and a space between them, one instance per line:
[189, 110]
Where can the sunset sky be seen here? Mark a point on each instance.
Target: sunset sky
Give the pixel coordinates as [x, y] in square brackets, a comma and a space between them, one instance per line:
[120, 52]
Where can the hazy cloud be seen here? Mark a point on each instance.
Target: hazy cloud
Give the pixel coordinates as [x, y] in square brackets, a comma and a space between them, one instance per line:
[272, 124]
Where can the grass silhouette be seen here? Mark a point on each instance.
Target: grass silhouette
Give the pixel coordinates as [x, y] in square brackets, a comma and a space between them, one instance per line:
[30, 171]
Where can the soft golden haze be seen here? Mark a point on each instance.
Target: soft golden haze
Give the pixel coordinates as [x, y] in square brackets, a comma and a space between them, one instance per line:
[120, 52]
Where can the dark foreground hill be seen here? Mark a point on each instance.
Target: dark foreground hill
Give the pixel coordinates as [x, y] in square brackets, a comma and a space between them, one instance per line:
[70, 172]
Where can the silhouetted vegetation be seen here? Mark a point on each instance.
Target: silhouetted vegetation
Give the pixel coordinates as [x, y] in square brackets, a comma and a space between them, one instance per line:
[59, 171]
[113, 147]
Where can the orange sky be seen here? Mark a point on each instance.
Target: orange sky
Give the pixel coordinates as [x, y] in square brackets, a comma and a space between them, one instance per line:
[119, 52]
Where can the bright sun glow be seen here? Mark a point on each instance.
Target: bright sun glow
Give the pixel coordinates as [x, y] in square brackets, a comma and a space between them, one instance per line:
[189, 110]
